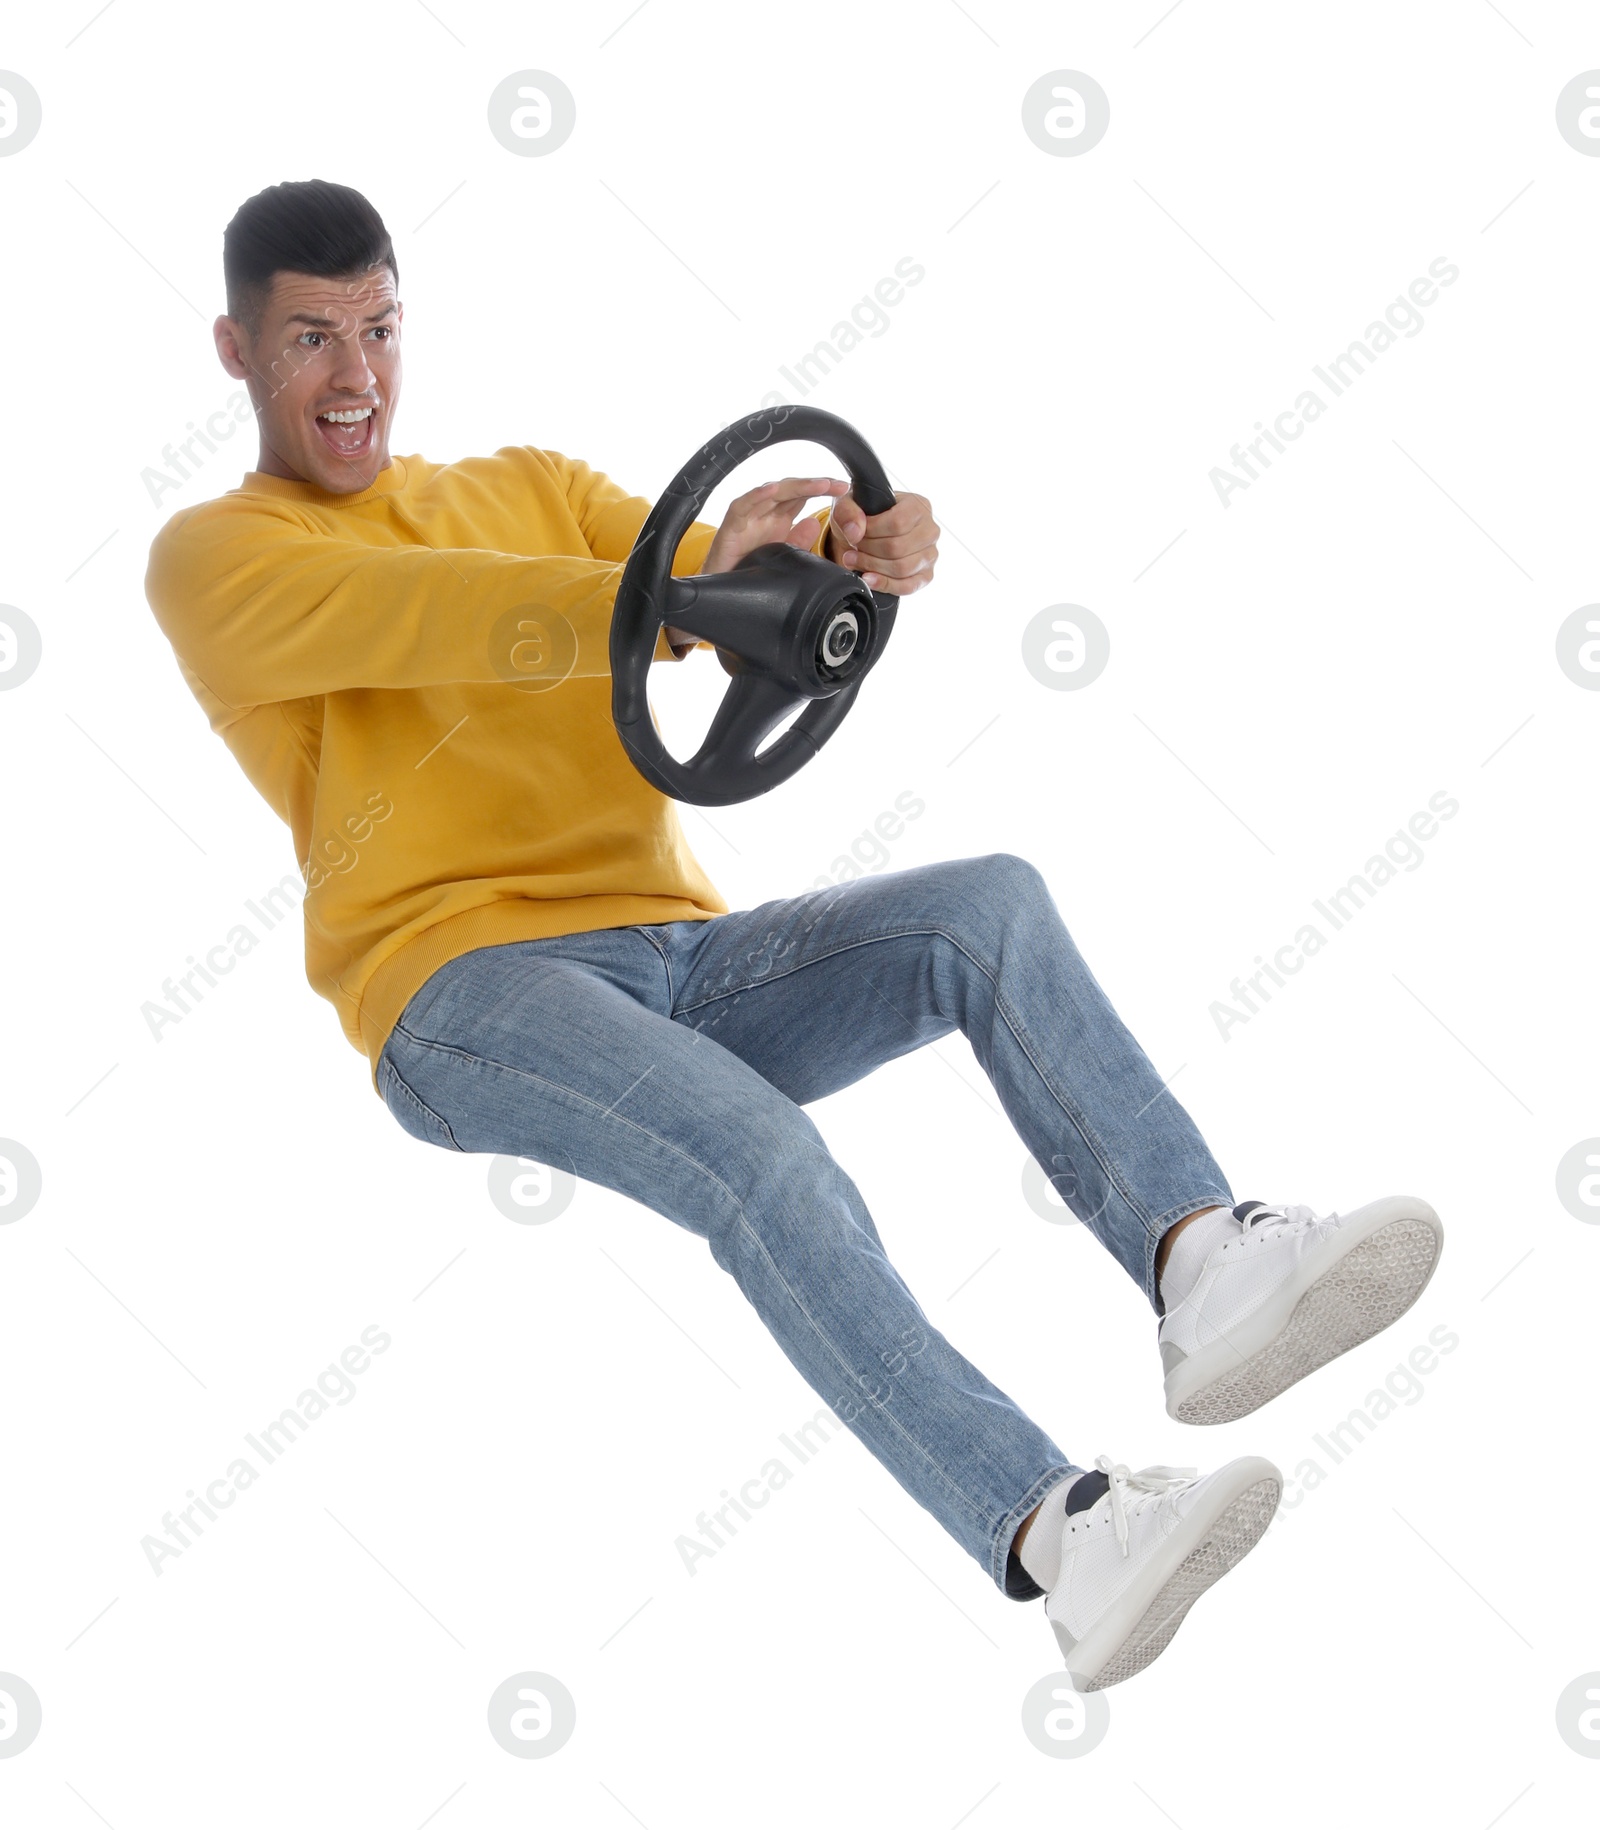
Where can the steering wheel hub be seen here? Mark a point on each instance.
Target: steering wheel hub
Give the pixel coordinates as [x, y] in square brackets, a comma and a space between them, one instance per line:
[839, 639]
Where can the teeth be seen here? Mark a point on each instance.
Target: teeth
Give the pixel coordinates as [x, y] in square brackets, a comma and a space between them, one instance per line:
[349, 417]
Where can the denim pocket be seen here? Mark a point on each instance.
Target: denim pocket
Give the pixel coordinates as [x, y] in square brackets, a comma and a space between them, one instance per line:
[413, 1115]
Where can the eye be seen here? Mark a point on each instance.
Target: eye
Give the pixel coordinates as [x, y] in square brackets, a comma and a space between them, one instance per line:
[385, 330]
[309, 333]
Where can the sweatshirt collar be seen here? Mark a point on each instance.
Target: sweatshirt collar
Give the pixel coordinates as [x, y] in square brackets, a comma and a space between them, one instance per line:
[387, 482]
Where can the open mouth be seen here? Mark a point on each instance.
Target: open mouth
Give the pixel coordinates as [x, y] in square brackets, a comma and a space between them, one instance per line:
[348, 431]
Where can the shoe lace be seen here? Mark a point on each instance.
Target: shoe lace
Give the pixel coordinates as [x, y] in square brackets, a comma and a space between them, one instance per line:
[1293, 1213]
[1130, 1490]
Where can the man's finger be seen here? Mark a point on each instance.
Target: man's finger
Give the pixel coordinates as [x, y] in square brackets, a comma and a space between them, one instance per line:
[902, 579]
[902, 571]
[902, 547]
[848, 514]
[895, 587]
[792, 492]
[906, 513]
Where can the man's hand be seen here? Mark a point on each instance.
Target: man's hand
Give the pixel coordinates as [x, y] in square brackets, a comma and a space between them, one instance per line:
[894, 552]
[767, 515]
[761, 518]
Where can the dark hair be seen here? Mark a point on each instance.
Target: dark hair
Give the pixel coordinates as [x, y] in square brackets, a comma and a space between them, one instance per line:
[308, 226]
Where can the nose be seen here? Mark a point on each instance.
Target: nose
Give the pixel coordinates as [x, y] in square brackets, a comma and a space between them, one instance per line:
[351, 372]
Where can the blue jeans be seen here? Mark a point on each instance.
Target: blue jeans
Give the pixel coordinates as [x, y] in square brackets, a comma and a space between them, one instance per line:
[671, 1062]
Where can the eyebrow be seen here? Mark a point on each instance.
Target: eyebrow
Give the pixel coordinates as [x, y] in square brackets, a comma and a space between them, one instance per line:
[320, 323]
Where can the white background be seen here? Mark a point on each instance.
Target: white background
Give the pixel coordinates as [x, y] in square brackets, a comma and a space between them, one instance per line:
[1372, 621]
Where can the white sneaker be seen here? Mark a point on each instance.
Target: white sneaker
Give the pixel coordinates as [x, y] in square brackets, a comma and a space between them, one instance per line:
[1134, 1563]
[1288, 1292]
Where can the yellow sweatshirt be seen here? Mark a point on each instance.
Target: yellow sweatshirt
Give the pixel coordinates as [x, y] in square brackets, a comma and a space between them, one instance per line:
[417, 677]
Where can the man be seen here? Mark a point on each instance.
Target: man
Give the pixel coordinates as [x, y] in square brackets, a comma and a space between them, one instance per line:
[410, 661]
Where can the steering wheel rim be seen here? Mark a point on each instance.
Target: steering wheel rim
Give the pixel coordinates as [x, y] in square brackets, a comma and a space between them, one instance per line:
[727, 767]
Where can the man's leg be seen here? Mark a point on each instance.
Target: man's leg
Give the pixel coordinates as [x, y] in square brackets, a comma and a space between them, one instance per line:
[563, 1050]
[815, 990]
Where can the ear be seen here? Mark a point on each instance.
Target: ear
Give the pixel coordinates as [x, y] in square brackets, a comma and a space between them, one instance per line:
[227, 331]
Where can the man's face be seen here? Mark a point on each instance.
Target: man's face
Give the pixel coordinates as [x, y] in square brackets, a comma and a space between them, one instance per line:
[324, 347]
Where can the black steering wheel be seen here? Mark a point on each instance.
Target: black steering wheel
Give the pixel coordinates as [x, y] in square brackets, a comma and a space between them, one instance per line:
[787, 625]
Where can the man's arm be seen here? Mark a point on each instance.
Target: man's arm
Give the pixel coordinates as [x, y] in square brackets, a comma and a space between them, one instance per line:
[262, 606]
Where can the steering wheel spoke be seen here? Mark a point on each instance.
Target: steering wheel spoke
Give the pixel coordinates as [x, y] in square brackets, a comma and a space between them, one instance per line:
[677, 600]
[751, 710]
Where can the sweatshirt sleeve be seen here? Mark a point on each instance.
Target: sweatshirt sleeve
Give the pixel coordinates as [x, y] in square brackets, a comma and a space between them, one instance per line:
[610, 519]
[262, 607]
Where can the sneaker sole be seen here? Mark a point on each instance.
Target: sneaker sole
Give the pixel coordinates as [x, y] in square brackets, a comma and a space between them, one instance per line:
[1358, 1296]
[1235, 1531]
